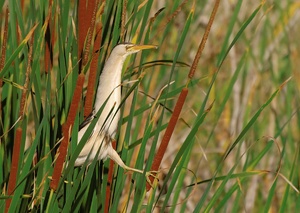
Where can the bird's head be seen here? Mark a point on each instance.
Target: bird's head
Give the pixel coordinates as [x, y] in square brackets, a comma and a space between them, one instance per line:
[125, 49]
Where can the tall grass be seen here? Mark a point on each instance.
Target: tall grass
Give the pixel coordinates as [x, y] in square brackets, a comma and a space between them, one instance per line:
[234, 148]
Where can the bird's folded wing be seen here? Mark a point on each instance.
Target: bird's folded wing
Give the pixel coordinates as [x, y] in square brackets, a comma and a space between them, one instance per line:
[87, 120]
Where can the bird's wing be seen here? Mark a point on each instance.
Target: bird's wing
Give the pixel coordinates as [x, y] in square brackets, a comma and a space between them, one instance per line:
[87, 120]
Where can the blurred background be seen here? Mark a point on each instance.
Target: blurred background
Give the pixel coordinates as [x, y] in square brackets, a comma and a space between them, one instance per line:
[235, 147]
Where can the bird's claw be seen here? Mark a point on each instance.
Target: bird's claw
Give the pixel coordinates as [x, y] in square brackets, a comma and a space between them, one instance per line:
[153, 174]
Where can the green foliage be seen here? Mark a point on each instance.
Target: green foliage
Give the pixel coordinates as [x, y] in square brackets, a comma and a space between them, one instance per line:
[236, 145]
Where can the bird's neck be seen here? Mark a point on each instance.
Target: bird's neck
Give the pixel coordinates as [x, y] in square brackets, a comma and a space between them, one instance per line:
[109, 84]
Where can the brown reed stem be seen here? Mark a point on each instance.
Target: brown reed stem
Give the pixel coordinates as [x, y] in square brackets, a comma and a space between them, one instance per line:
[109, 181]
[88, 106]
[90, 94]
[63, 148]
[3, 52]
[204, 39]
[87, 48]
[169, 131]
[17, 143]
[4, 42]
[14, 167]
[178, 107]
[82, 26]
[85, 14]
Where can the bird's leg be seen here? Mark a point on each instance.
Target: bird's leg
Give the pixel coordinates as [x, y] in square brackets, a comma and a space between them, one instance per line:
[116, 158]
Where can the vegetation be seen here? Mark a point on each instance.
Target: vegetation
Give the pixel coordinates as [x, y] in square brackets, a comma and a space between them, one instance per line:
[223, 113]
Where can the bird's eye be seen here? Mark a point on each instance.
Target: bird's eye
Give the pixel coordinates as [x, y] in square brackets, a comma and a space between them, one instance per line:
[128, 47]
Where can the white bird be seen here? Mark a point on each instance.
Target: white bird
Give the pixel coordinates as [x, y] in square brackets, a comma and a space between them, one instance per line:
[109, 90]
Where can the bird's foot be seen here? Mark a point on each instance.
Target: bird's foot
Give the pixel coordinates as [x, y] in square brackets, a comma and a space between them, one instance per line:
[154, 175]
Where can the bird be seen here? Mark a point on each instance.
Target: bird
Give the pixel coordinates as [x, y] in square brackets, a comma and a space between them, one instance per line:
[108, 92]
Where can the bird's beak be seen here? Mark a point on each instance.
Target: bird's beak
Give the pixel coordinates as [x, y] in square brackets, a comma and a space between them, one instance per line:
[142, 47]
